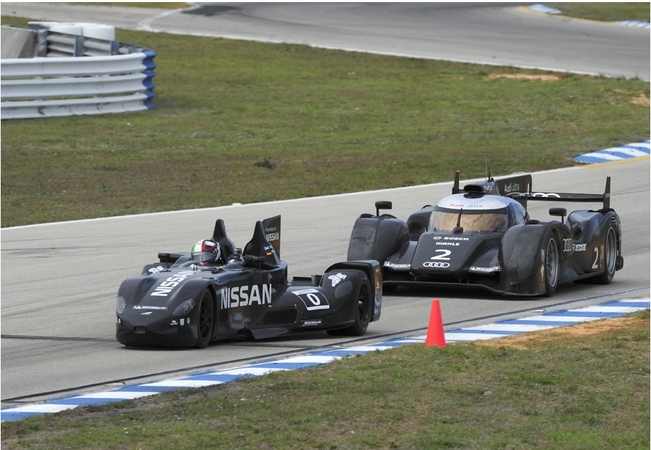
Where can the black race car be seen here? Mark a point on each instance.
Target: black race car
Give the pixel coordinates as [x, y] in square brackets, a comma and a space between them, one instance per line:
[482, 237]
[188, 299]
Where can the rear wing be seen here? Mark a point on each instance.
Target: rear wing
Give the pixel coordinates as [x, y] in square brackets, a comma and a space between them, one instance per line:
[519, 187]
[604, 198]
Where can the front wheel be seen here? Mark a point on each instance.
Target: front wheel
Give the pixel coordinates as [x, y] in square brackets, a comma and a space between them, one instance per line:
[206, 319]
[364, 297]
[551, 263]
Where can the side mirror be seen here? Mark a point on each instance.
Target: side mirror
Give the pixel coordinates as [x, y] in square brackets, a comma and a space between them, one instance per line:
[559, 212]
[382, 204]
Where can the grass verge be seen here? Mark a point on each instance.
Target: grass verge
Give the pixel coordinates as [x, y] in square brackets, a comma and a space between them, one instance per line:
[579, 387]
[607, 12]
[248, 122]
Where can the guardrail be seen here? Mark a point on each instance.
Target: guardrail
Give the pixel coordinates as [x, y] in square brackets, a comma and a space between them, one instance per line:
[77, 75]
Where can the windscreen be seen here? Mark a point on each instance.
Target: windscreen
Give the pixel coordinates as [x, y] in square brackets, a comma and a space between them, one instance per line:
[472, 221]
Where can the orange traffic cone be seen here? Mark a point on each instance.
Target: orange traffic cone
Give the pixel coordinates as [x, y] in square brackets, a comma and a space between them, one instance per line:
[435, 334]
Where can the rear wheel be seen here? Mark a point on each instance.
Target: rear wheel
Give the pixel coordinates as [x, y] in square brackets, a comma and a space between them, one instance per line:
[206, 319]
[610, 258]
[364, 297]
[552, 264]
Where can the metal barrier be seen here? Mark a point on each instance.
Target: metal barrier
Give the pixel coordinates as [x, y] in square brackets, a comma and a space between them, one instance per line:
[76, 75]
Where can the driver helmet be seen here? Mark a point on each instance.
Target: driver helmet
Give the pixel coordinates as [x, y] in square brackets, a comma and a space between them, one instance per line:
[206, 251]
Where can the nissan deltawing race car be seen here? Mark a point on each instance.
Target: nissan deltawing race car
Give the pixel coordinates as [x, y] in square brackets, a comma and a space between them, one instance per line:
[218, 291]
[482, 237]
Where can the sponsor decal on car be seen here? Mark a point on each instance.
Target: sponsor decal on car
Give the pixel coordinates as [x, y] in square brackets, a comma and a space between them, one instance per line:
[336, 279]
[167, 286]
[181, 322]
[247, 295]
[484, 269]
[511, 187]
[397, 266]
[157, 308]
[544, 195]
[451, 238]
[436, 264]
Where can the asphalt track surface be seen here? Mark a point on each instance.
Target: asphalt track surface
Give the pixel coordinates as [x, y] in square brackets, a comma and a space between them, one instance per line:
[487, 33]
[59, 280]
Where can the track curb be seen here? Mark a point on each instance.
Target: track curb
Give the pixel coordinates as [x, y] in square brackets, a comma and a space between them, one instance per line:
[503, 328]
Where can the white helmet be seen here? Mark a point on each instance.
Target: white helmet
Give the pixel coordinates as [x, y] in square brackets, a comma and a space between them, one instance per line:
[206, 251]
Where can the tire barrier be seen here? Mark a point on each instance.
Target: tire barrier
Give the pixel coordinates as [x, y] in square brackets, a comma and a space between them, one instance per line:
[56, 73]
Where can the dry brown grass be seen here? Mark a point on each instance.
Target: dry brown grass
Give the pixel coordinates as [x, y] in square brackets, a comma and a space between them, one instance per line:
[525, 76]
[527, 341]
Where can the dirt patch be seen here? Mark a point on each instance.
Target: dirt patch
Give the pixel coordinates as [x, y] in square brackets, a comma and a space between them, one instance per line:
[641, 100]
[526, 340]
[524, 76]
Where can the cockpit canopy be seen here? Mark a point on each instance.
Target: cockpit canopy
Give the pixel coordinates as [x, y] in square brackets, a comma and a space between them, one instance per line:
[477, 213]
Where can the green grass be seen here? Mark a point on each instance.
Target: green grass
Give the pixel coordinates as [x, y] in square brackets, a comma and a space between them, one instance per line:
[249, 122]
[607, 12]
[556, 389]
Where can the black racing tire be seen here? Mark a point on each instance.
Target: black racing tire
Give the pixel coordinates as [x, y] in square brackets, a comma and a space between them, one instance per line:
[551, 263]
[206, 322]
[363, 311]
[610, 257]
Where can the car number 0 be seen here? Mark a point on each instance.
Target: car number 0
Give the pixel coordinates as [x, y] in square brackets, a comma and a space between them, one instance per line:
[313, 299]
[316, 301]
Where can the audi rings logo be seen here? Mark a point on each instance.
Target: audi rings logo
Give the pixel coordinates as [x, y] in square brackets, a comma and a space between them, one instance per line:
[436, 264]
[545, 195]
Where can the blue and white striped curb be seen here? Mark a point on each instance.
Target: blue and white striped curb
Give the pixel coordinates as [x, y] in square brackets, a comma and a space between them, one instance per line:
[544, 9]
[634, 23]
[616, 153]
[211, 378]
[546, 321]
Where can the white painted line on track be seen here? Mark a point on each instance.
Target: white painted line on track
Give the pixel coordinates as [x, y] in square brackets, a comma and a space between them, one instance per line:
[511, 327]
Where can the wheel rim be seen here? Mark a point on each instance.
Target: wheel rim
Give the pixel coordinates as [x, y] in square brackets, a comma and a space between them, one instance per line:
[611, 251]
[551, 262]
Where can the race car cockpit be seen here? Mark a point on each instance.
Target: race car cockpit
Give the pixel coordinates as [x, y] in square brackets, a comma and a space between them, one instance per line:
[479, 213]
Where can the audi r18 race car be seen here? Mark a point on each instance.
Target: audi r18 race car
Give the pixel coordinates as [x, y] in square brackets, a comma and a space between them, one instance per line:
[482, 237]
[217, 291]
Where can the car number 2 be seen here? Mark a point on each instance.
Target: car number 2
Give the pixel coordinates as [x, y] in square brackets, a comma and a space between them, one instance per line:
[595, 264]
[444, 255]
